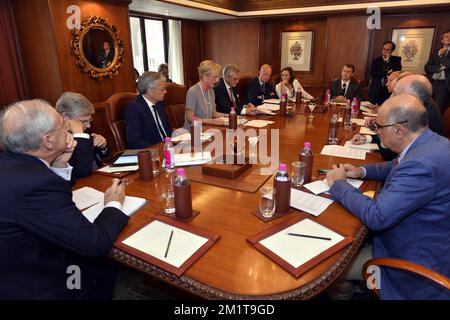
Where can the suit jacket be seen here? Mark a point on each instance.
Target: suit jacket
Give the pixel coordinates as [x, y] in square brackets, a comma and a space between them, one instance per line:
[433, 65]
[42, 234]
[378, 91]
[255, 90]
[141, 128]
[85, 157]
[353, 90]
[223, 100]
[410, 215]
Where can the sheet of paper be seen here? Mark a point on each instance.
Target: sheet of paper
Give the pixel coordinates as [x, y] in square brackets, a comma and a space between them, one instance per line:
[126, 160]
[186, 159]
[317, 186]
[187, 137]
[364, 146]
[86, 197]
[265, 111]
[258, 123]
[359, 122]
[310, 203]
[268, 106]
[224, 121]
[272, 101]
[153, 239]
[130, 205]
[109, 169]
[343, 152]
[369, 114]
[366, 109]
[298, 250]
[365, 130]
[366, 104]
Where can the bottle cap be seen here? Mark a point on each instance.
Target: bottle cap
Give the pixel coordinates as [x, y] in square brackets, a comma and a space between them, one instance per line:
[232, 108]
[194, 118]
[282, 167]
[167, 139]
[180, 172]
[307, 145]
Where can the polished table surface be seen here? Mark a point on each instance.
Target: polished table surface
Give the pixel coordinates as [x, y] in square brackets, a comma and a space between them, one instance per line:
[232, 268]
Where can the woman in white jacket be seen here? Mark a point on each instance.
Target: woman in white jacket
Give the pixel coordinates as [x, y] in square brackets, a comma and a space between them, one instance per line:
[290, 85]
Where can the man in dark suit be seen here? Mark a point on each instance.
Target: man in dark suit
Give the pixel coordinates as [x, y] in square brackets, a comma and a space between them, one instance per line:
[438, 69]
[410, 214]
[91, 148]
[227, 95]
[146, 120]
[106, 56]
[261, 88]
[345, 87]
[163, 70]
[381, 68]
[48, 249]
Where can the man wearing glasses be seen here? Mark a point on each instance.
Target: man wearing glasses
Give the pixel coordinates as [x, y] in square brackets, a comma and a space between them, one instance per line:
[227, 95]
[43, 236]
[145, 118]
[410, 213]
[91, 148]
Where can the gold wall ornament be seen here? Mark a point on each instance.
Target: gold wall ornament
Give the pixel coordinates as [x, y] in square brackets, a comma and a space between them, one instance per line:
[97, 48]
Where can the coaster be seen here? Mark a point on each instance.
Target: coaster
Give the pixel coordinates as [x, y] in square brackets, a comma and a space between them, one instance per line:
[275, 215]
[172, 215]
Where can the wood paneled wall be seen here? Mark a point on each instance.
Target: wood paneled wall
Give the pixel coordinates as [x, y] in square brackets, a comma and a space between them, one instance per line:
[49, 64]
[191, 33]
[238, 43]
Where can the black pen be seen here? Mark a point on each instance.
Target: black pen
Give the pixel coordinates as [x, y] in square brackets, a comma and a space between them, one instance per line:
[168, 244]
[307, 236]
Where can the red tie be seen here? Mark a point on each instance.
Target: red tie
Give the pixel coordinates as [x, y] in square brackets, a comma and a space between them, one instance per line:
[232, 98]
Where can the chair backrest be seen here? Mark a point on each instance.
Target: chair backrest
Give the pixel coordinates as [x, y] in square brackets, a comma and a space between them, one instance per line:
[115, 116]
[175, 100]
[408, 266]
[242, 87]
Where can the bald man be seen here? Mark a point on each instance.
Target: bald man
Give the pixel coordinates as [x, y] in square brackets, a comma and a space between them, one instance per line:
[44, 237]
[261, 87]
[410, 213]
[420, 87]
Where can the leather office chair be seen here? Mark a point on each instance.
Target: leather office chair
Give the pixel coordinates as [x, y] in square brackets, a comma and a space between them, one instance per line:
[175, 100]
[115, 116]
[409, 266]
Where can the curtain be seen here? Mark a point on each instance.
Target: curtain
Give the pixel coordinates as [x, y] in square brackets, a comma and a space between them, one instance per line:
[176, 72]
[12, 86]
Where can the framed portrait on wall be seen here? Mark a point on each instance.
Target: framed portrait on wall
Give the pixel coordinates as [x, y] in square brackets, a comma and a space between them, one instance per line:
[414, 46]
[296, 50]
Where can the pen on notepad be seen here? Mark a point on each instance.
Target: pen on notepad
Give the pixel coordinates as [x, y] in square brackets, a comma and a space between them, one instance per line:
[168, 244]
[307, 236]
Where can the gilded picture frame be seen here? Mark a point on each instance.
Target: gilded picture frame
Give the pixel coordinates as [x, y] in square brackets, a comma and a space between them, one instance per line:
[296, 50]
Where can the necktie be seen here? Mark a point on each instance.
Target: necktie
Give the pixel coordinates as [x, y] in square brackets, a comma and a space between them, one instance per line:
[394, 163]
[344, 86]
[233, 101]
[161, 130]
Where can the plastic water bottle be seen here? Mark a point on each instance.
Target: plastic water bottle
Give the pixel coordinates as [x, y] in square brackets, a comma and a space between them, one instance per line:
[169, 155]
[327, 97]
[283, 102]
[232, 119]
[307, 157]
[168, 193]
[180, 179]
[347, 115]
[333, 130]
[355, 107]
[282, 185]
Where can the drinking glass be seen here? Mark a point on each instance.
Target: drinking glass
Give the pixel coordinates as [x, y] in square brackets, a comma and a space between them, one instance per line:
[156, 161]
[267, 202]
[312, 106]
[297, 173]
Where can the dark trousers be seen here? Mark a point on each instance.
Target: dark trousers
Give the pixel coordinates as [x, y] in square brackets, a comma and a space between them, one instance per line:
[441, 94]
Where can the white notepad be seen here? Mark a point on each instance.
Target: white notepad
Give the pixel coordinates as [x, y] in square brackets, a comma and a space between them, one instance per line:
[268, 106]
[153, 240]
[84, 196]
[258, 123]
[364, 146]
[298, 250]
[109, 169]
[272, 101]
[343, 152]
[365, 130]
[187, 159]
[187, 137]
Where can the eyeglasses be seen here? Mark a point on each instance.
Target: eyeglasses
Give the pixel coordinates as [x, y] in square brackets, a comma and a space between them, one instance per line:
[375, 126]
[86, 122]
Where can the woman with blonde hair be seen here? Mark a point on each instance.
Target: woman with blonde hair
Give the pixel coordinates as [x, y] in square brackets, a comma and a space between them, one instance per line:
[200, 98]
[290, 86]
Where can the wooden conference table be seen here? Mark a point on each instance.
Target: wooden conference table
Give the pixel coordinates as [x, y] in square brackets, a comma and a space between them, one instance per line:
[232, 268]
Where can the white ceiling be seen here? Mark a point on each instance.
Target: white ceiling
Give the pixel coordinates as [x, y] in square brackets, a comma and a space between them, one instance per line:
[161, 8]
